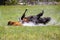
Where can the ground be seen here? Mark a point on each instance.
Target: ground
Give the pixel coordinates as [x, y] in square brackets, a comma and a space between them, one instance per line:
[12, 13]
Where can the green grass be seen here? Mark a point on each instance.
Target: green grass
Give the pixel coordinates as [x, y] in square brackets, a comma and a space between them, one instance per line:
[12, 13]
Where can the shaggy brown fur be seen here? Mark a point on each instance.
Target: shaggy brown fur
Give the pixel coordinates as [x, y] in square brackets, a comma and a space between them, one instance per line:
[14, 23]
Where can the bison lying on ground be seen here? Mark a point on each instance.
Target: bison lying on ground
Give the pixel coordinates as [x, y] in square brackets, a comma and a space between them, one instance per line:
[36, 19]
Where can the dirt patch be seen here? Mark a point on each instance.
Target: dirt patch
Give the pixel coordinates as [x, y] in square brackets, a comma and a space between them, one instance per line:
[52, 22]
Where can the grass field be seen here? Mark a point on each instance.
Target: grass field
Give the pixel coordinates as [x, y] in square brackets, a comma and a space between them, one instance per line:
[12, 13]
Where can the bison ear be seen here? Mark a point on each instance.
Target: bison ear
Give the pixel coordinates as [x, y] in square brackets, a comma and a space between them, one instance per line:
[23, 15]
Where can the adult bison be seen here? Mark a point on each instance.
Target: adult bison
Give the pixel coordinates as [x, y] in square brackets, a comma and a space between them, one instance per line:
[36, 19]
